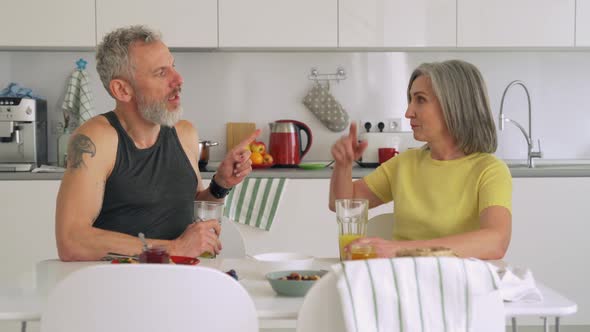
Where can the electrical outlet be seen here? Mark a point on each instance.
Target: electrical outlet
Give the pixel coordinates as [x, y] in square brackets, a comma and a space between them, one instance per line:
[388, 125]
[393, 125]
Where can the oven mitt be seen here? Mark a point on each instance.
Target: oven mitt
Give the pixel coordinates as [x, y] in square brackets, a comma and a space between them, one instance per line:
[326, 108]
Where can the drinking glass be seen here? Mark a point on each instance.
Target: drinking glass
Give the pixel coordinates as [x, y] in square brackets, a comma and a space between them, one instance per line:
[206, 210]
[352, 217]
[362, 251]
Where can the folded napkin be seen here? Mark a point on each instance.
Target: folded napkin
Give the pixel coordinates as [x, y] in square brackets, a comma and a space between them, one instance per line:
[77, 104]
[255, 201]
[326, 108]
[517, 284]
[17, 91]
[419, 294]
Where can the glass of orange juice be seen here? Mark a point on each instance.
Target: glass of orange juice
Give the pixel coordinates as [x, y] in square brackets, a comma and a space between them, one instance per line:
[352, 217]
[362, 251]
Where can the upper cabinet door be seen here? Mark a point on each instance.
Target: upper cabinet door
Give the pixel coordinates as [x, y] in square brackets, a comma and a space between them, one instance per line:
[582, 22]
[182, 23]
[278, 23]
[515, 23]
[39, 23]
[397, 23]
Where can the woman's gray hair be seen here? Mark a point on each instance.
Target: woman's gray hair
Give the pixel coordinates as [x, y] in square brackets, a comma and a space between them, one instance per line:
[112, 55]
[463, 96]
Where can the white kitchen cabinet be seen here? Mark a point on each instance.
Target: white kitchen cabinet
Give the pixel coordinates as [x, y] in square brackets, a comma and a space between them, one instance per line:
[278, 23]
[39, 23]
[515, 23]
[182, 23]
[397, 23]
[582, 22]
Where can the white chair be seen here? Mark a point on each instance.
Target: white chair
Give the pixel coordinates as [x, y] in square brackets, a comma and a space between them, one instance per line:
[322, 310]
[381, 226]
[148, 297]
[232, 240]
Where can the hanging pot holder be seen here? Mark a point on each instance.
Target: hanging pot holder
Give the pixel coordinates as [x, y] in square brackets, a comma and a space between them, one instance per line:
[326, 108]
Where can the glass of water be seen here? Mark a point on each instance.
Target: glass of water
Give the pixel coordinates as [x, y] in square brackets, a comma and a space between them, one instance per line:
[206, 210]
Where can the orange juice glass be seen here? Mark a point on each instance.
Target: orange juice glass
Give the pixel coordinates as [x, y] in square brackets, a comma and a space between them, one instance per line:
[362, 251]
[352, 217]
[344, 240]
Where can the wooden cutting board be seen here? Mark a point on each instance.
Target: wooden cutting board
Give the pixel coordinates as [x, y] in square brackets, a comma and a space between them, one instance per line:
[237, 132]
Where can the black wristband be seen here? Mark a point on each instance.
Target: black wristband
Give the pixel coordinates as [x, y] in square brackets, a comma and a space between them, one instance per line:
[216, 190]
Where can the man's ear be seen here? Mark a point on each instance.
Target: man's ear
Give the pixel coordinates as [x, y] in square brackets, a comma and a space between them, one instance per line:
[121, 90]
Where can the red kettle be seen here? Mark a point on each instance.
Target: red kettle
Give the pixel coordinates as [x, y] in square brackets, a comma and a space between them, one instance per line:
[285, 142]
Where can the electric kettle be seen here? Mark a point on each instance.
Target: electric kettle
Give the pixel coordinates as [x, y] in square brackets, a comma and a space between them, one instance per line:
[285, 142]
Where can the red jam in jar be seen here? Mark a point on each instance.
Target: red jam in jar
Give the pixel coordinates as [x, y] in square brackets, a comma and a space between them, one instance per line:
[157, 255]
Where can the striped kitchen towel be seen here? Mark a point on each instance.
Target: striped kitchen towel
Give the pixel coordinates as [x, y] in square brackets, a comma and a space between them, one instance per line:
[255, 201]
[77, 105]
[420, 294]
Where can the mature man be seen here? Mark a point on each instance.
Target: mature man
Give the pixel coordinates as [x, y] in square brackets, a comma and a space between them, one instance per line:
[135, 169]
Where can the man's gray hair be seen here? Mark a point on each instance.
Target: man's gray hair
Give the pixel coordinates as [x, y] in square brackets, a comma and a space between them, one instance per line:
[112, 55]
[463, 96]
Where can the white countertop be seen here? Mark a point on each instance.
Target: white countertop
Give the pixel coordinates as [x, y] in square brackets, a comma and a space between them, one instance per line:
[544, 168]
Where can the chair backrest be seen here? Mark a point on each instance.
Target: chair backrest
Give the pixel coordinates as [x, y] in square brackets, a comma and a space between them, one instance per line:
[322, 309]
[148, 297]
[381, 226]
[232, 240]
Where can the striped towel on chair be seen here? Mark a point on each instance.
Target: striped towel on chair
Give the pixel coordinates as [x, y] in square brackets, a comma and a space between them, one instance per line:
[420, 294]
[255, 201]
[77, 104]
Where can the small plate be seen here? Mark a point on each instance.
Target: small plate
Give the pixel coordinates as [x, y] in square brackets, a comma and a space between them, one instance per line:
[183, 260]
[312, 166]
[367, 165]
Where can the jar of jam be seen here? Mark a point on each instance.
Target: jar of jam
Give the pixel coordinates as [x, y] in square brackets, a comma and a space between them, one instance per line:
[157, 254]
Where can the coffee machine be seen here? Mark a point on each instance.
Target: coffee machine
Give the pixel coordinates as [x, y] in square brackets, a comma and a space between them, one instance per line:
[23, 134]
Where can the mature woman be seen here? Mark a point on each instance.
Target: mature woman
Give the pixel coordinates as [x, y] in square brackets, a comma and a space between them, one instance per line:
[452, 192]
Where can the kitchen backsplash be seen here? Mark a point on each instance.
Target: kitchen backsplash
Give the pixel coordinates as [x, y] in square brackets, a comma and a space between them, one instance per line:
[255, 87]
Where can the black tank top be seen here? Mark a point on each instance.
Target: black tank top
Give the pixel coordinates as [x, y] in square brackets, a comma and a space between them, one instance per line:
[149, 190]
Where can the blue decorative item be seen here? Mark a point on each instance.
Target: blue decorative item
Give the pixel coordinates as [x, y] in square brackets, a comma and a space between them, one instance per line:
[81, 63]
[16, 90]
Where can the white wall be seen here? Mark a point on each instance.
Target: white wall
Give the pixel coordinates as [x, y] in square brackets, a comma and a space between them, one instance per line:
[263, 87]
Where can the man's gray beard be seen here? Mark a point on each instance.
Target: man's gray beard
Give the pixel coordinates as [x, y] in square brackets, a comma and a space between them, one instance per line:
[157, 112]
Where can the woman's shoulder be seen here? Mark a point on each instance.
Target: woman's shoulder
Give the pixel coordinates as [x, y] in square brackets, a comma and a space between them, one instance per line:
[491, 163]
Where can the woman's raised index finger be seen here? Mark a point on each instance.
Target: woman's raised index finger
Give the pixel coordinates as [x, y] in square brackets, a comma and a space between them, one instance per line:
[352, 133]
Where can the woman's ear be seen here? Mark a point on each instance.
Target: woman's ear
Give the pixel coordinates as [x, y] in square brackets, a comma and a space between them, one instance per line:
[121, 90]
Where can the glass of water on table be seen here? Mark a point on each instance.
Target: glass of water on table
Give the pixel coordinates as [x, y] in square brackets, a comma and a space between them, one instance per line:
[206, 210]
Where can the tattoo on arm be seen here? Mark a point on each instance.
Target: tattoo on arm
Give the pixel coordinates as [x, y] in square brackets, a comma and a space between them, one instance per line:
[80, 145]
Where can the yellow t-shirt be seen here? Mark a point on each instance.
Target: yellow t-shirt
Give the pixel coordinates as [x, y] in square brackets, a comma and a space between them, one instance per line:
[435, 198]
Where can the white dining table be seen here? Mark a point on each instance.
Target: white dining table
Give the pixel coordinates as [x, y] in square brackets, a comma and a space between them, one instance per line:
[274, 311]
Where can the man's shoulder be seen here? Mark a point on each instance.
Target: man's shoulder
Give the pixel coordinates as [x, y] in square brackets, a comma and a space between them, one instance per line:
[184, 125]
[99, 130]
[185, 129]
[98, 124]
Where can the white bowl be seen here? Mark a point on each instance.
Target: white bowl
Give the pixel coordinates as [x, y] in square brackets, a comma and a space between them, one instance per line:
[279, 261]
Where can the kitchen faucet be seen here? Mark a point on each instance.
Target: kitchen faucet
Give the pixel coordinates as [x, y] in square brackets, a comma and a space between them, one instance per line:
[529, 140]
